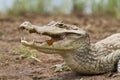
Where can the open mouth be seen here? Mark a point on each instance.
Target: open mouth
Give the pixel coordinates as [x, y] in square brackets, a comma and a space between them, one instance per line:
[52, 38]
[55, 39]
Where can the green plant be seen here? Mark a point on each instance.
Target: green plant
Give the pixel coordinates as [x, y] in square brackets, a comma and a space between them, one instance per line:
[28, 53]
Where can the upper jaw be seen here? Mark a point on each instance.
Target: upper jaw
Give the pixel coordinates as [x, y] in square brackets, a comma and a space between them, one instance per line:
[48, 29]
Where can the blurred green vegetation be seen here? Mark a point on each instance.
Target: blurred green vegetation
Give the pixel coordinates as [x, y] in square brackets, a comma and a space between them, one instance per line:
[79, 5]
[101, 7]
[98, 7]
[112, 7]
[24, 6]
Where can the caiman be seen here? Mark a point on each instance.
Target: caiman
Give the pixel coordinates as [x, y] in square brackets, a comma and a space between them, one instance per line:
[73, 44]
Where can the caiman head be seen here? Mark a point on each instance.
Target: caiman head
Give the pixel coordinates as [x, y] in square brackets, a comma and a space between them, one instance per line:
[63, 37]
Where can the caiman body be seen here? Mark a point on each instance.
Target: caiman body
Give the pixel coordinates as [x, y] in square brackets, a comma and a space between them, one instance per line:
[73, 44]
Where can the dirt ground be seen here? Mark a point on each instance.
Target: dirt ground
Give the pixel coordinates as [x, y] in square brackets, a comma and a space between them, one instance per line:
[12, 67]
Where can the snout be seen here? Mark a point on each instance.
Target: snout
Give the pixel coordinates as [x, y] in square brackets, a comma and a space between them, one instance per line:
[26, 25]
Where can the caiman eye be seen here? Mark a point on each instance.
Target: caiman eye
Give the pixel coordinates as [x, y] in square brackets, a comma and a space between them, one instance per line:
[60, 25]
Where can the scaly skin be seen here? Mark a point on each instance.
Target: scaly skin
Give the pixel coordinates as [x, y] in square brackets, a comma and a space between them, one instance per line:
[73, 44]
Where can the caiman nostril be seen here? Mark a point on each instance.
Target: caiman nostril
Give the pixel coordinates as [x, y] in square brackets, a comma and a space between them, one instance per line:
[21, 28]
[32, 31]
